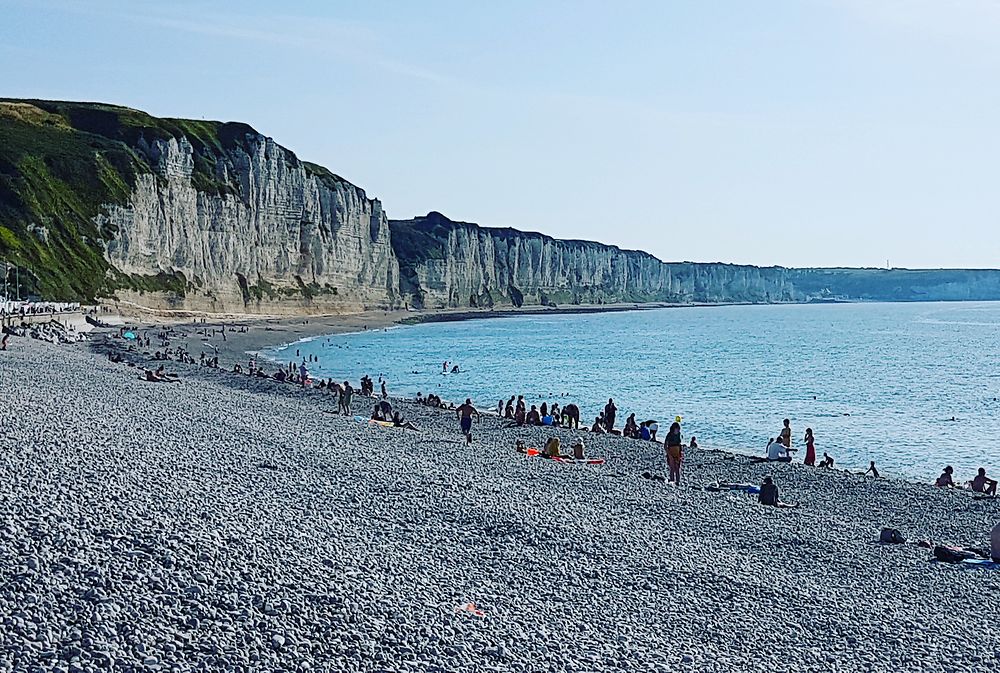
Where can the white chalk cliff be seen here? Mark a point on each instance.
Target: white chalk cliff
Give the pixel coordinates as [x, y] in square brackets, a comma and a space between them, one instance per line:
[274, 234]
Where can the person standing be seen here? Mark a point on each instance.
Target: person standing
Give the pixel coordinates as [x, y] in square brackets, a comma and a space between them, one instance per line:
[346, 393]
[786, 434]
[609, 415]
[674, 453]
[385, 393]
[810, 448]
[465, 413]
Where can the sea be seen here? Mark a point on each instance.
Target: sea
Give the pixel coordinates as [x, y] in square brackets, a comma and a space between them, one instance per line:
[912, 386]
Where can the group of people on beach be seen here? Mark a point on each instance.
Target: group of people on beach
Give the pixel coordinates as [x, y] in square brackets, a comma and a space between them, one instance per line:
[517, 410]
[779, 449]
[978, 484]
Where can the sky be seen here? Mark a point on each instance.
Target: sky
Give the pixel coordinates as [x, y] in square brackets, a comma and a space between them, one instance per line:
[775, 132]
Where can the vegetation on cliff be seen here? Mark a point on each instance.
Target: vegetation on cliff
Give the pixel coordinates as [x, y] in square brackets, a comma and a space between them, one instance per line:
[62, 163]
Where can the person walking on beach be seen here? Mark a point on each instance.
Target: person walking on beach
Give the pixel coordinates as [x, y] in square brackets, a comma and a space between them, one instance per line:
[465, 413]
[385, 393]
[303, 373]
[810, 448]
[609, 414]
[346, 393]
[675, 453]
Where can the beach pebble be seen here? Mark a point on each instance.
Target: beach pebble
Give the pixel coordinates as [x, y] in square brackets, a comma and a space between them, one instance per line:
[140, 533]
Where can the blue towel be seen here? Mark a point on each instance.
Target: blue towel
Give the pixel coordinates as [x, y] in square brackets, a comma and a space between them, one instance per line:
[982, 563]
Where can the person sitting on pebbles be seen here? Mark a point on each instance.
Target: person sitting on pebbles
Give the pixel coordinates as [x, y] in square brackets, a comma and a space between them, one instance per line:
[578, 448]
[776, 453]
[983, 484]
[598, 426]
[399, 422]
[551, 449]
[769, 495]
[945, 480]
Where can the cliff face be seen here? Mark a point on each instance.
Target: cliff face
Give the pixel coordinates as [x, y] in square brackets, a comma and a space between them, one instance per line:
[183, 215]
[453, 264]
[287, 237]
[457, 264]
[99, 200]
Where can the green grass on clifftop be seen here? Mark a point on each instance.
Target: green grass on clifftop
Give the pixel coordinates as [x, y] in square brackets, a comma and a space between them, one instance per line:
[62, 164]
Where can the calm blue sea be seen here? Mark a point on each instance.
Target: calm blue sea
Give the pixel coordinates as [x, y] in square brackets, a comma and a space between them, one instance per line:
[875, 381]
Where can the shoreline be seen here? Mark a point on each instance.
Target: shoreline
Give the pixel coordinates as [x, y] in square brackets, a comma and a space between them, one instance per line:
[272, 332]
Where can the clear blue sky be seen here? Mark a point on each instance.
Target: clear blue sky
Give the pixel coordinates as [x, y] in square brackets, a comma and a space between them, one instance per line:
[793, 132]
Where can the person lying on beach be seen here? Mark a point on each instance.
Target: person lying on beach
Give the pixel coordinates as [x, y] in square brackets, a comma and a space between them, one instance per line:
[769, 495]
[159, 376]
[732, 486]
[399, 422]
[871, 469]
[983, 484]
[279, 376]
[945, 480]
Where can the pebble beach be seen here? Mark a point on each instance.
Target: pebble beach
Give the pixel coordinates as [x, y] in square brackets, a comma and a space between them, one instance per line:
[226, 523]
